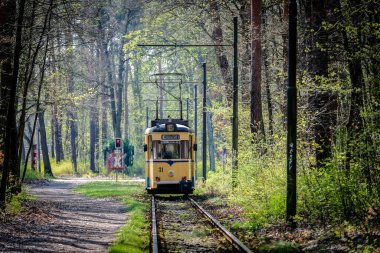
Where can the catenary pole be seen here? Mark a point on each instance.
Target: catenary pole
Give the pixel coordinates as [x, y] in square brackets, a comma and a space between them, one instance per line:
[204, 133]
[235, 116]
[291, 149]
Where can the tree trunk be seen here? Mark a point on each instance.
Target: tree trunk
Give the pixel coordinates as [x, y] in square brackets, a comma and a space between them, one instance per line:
[119, 91]
[58, 111]
[94, 121]
[245, 16]
[267, 81]
[161, 90]
[6, 79]
[285, 20]
[11, 146]
[217, 36]
[44, 147]
[268, 93]
[126, 101]
[136, 84]
[355, 71]
[57, 135]
[137, 97]
[29, 71]
[104, 98]
[37, 113]
[257, 124]
[52, 135]
[72, 114]
[116, 128]
[322, 103]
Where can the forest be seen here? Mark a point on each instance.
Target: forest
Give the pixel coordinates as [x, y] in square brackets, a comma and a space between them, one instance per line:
[76, 74]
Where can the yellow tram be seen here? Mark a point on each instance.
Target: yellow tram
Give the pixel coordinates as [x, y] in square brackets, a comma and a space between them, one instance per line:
[169, 147]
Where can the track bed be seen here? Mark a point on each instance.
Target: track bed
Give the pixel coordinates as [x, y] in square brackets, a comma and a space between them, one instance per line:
[181, 228]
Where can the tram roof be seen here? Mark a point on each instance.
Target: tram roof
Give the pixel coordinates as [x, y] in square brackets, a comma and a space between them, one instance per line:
[162, 128]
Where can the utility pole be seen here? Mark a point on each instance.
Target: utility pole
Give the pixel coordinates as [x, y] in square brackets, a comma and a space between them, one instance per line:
[291, 147]
[235, 116]
[204, 132]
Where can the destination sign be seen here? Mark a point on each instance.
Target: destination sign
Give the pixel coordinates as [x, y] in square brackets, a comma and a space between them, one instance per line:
[170, 137]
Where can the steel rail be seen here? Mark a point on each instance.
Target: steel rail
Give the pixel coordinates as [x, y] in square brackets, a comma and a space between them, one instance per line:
[230, 237]
[154, 228]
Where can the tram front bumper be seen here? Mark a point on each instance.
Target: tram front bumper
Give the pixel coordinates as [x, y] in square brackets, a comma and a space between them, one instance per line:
[168, 187]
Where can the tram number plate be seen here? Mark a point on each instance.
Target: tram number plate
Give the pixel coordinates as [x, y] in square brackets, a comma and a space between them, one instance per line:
[160, 169]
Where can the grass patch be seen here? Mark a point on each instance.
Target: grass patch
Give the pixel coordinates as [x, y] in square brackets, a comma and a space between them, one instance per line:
[135, 235]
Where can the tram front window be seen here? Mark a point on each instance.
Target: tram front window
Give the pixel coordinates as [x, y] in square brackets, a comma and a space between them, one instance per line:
[170, 149]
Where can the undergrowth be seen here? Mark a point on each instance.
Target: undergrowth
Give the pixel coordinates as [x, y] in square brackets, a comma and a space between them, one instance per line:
[62, 168]
[66, 168]
[14, 202]
[333, 194]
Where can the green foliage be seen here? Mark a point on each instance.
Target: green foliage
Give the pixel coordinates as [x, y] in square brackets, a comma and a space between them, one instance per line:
[332, 194]
[134, 236]
[278, 247]
[32, 174]
[138, 167]
[345, 188]
[260, 179]
[261, 186]
[219, 182]
[338, 191]
[66, 168]
[14, 203]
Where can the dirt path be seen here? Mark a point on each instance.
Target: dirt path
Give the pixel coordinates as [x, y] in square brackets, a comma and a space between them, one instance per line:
[63, 221]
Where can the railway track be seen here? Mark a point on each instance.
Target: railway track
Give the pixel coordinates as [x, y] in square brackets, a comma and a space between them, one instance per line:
[180, 224]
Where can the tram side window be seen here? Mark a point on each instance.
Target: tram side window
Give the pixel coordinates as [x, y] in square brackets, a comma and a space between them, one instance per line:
[150, 145]
[185, 149]
[156, 150]
[191, 147]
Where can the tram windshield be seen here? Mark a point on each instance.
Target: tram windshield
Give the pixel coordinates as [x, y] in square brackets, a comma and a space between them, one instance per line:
[171, 150]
